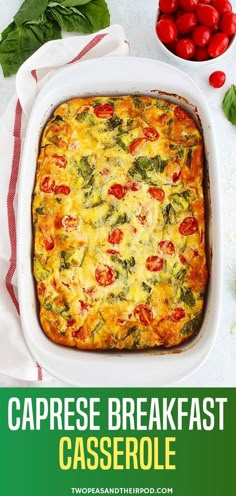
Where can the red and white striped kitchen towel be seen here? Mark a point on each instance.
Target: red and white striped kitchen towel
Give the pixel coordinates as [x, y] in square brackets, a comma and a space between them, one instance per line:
[15, 358]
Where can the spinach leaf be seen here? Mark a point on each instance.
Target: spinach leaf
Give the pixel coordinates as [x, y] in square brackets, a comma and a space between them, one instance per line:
[146, 287]
[169, 214]
[22, 41]
[143, 165]
[114, 122]
[180, 276]
[126, 264]
[84, 168]
[192, 326]
[30, 10]
[121, 219]
[131, 330]
[229, 104]
[187, 297]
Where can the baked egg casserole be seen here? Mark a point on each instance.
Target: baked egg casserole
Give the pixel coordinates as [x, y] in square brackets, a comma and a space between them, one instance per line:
[119, 224]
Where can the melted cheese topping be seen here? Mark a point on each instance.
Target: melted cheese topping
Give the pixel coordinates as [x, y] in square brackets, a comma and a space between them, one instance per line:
[118, 213]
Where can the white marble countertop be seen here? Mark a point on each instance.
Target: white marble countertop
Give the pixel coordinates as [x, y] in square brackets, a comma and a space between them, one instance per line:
[137, 18]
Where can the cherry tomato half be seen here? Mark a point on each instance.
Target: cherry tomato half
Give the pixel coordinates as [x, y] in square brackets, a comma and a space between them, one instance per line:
[228, 24]
[207, 15]
[156, 193]
[49, 243]
[118, 191]
[188, 226]
[185, 48]
[189, 5]
[217, 79]
[144, 314]
[180, 114]
[167, 247]
[104, 110]
[69, 222]
[134, 146]
[201, 54]
[218, 44]
[223, 6]
[178, 314]
[166, 30]
[105, 275]
[115, 236]
[62, 189]
[186, 22]
[168, 6]
[154, 263]
[47, 185]
[201, 36]
[59, 161]
[151, 134]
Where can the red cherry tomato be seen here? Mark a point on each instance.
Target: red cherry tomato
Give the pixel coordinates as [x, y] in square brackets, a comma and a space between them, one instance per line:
[115, 236]
[134, 186]
[188, 226]
[151, 134]
[185, 48]
[223, 6]
[176, 176]
[62, 189]
[154, 263]
[156, 193]
[144, 314]
[206, 2]
[207, 15]
[166, 30]
[183, 260]
[135, 145]
[172, 47]
[189, 5]
[218, 44]
[201, 54]
[186, 22]
[113, 252]
[168, 6]
[228, 24]
[59, 160]
[180, 114]
[217, 79]
[118, 191]
[177, 314]
[49, 243]
[105, 275]
[166, 16]
[69, 222]
[167, 247]
[47, 185]
[201, 35]
[104, 110]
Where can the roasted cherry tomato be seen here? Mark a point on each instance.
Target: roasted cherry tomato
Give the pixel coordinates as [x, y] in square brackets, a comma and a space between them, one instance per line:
[166, 30]
[201, 54]
[71, 322]
[118, 191]
[223, 6]
[228, 24]
[49, 243]
[62, 189]
[178, 314]
[59, 161]
[115, 236]
[69, 222]
[167, 247]
[154, 263]
[113, 252]
[180, 114]
[105, 275]
[104, 110]
[135, 145]
[134, 186]
[207, 15]
[144, 314]
[156, 193]
[176, 176]
[189, 5]
[47, 185]
[183, 260]
[201, 35]
[217, 79]
[186, 22]
[77, 332]
[188, 226]
[168, 6]
[41, 288]
[185, 48]
[218, 44]
[151, 134]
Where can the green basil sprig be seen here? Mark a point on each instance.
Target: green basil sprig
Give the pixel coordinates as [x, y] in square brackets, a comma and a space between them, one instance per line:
[36, 22]
[229, 104]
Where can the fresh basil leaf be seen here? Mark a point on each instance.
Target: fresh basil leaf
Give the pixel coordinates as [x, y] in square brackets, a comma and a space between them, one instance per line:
[30, 10]
[97, 14]
[22, 41]
[70, 19]
[229, 104]
[6, 31]
[72, 3]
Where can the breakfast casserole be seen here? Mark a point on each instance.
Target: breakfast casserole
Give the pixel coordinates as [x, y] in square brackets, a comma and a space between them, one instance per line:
[119, 224]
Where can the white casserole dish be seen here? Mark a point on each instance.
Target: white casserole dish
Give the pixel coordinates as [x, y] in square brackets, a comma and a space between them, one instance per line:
[112, 76]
